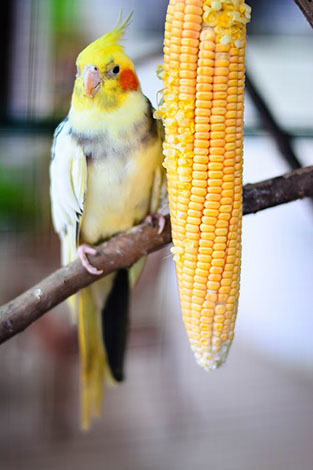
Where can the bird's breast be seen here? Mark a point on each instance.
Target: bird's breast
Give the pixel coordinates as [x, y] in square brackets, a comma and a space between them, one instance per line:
[118, 191]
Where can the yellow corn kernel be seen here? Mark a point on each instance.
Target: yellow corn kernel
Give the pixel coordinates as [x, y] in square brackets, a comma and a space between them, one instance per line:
[204, 47]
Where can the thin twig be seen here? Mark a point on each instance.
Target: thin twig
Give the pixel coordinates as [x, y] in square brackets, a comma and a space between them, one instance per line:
[282, 139]
[307, 9]
[124, 249]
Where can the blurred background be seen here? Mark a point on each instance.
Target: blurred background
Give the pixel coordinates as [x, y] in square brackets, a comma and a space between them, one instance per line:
[254, 413]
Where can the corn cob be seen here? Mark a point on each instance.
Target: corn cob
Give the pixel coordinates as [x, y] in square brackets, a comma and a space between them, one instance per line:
[204, 50]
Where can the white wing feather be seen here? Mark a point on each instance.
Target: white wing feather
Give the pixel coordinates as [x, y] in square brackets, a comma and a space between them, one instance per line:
[68, 181]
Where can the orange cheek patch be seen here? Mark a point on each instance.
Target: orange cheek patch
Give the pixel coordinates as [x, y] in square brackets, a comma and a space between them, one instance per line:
[128, 80]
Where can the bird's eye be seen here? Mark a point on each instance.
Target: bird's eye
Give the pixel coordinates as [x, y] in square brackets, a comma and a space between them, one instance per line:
[114, 71]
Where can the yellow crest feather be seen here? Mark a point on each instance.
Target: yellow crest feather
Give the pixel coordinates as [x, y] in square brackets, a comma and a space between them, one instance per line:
[112, 38]
[110, 41]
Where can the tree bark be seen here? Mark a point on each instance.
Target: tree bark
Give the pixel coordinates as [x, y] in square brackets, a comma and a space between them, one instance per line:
[126, 248]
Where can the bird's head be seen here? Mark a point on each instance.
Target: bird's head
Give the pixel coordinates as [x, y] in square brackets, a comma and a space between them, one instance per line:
[105, 74]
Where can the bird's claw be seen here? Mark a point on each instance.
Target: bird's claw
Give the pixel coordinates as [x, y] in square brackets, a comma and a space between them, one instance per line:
[82, 252]
[159, 218]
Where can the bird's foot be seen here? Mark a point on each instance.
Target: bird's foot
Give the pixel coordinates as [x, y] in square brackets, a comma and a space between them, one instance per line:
[82, 252]
[159, 218]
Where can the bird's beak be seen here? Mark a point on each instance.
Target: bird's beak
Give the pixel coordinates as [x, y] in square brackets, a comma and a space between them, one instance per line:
[92, 80]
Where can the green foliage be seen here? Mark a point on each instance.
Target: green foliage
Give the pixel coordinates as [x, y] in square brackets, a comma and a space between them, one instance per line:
[18, 206]
[63, 15]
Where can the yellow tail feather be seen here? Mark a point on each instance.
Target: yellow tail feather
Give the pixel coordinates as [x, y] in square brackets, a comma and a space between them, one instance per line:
[94, 367]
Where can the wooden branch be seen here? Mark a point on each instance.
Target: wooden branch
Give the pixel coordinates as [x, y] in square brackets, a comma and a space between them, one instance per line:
[306, 6]
[286, 188]
[124, 249]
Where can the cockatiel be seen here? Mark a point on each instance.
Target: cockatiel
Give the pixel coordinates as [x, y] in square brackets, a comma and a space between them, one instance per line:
[106, 176]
